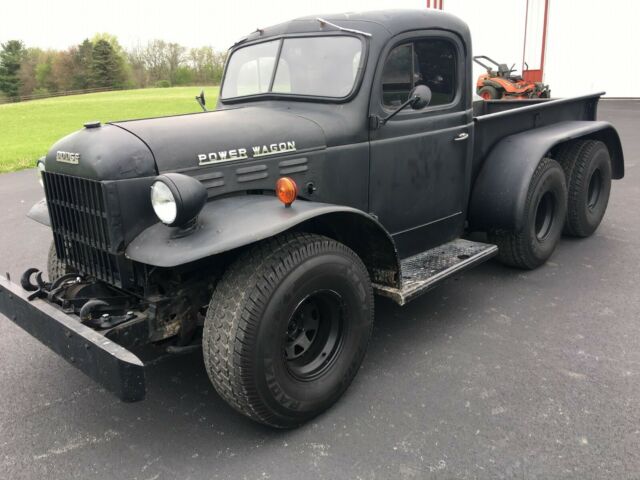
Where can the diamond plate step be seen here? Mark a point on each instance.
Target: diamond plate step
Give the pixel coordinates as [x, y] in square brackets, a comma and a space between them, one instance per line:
[425, 270]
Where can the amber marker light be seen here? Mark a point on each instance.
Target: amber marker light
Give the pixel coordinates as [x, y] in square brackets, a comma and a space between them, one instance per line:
[286, 190]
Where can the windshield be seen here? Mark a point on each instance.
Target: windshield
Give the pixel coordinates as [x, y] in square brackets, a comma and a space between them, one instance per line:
[312, 66]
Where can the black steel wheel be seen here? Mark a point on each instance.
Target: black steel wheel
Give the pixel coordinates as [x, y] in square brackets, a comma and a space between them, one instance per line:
[587, 166]
[287, 328]
[543, 220]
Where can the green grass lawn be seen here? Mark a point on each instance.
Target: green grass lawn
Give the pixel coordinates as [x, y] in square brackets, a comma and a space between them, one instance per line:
[28, 129]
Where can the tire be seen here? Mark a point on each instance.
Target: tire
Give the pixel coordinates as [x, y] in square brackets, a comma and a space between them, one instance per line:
[55, 267]
[544, 214]
[287, 328]
[587, 166]
[489, 93]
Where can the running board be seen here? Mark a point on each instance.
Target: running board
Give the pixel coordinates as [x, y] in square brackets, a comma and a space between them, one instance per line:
[425, 270]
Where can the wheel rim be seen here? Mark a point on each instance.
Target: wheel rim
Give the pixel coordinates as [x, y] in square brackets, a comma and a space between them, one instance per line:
[595, 187]
[486, 95]
[314, 335]
[544, 215]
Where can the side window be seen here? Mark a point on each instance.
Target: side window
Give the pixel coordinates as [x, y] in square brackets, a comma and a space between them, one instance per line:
[396, 76]
[429, 62]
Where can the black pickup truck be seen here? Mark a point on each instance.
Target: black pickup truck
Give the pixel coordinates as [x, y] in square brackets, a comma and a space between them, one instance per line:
[346, 157]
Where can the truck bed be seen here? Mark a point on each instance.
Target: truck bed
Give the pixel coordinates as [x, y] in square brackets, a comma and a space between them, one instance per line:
[496, 119]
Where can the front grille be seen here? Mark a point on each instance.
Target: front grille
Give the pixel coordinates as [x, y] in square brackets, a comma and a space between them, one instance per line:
[79, 221]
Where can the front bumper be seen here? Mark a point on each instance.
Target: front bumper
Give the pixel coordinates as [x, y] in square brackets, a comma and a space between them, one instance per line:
[112, 366]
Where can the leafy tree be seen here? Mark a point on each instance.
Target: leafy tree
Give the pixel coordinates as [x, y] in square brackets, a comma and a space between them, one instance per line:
[82, 65]
[44, 76]
[106, 69]
[155, 60]
[11, 54]
[27, 74]
[138, 69]
[175, 56]
[183, 76]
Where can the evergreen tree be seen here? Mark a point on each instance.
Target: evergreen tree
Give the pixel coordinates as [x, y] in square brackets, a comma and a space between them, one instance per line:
[11, 54]
[106, 68]
[83, 61]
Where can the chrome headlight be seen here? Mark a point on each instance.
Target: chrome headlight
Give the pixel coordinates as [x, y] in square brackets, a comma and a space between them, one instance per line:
[177, 199]
[164, 203]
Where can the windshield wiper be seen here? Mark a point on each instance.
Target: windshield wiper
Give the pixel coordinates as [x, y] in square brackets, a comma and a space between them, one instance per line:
[324, 22]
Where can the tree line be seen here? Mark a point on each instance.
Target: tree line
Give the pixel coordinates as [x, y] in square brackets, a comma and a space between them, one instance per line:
[103, 62]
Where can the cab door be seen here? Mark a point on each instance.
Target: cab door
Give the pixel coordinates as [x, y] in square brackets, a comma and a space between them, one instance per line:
[420, 159]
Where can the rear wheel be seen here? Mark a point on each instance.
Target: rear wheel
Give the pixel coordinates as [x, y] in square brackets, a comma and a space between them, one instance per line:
[587, 166]
[287, 328]
[489, 93]
[544, 213]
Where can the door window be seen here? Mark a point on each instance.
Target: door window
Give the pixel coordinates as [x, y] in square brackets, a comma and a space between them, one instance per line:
[430, 62]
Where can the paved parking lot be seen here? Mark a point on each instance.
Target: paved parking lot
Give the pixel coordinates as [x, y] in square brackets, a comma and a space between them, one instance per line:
[497, 374]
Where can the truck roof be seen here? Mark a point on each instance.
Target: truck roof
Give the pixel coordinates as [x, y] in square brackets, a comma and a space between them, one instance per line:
[376, 22]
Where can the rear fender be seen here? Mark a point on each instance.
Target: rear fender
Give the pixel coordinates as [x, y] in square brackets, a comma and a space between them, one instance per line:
[230, 223]
[500, 190]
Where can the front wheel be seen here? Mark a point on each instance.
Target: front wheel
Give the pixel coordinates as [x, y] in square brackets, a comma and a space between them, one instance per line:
[56, 268]
[489, 93]
[287, 328]
[543, 219]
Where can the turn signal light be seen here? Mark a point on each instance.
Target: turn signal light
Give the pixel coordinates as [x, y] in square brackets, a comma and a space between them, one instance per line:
[286, 190]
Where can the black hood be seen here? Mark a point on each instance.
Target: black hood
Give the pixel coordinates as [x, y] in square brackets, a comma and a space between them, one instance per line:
[189, 143]
[215, 138]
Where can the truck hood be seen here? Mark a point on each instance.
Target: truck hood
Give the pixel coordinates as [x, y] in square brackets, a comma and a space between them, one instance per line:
[187, 143]
[207, 139]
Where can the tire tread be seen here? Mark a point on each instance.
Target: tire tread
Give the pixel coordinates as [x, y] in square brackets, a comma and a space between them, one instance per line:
[232, 319]
[512, 246]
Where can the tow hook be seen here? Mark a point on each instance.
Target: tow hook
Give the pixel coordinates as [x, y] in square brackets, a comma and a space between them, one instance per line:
[42, 289]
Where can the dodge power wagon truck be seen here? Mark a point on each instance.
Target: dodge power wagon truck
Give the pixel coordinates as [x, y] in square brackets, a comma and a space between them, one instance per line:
[345, 158]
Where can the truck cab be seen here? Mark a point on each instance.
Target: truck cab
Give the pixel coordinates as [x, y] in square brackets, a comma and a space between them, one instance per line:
[345, 158]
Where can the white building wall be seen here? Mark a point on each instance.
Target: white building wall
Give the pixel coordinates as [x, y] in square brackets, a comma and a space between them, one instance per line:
[592, 45]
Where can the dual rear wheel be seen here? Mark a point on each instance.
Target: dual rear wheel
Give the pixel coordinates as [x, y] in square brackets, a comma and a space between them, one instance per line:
[568, 194]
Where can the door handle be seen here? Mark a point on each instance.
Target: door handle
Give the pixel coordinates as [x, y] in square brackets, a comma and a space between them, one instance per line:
[461, 136]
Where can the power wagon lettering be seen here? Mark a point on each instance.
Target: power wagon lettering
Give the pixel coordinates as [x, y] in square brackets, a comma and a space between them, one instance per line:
[240, 153]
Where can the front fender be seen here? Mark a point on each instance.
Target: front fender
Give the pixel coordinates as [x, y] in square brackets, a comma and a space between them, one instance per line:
[500, 190]
[229, 223]
[40, 213]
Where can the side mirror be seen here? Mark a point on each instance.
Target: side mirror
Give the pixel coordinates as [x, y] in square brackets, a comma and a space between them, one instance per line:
[421, 95]
[201, 100]
[419, 98]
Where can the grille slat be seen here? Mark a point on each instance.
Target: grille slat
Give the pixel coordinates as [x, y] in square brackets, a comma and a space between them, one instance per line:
[80, 228]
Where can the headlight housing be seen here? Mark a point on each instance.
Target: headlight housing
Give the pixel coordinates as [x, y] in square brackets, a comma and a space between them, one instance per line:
[177, 199]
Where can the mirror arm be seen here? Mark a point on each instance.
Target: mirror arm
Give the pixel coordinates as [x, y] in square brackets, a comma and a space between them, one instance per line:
[382, 121]
[199, 99]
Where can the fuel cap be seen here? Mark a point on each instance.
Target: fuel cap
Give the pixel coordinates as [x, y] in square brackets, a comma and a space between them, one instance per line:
[93, 124]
